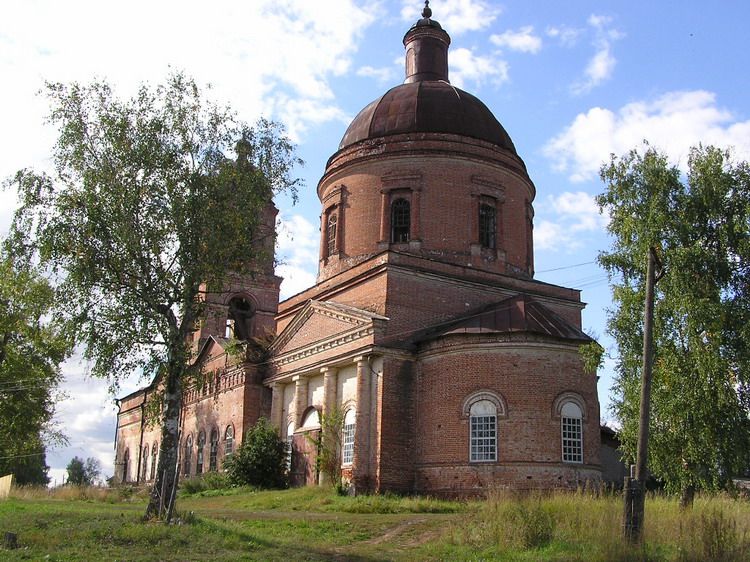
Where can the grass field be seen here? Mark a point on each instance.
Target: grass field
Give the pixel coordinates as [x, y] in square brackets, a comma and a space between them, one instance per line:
[315, 524]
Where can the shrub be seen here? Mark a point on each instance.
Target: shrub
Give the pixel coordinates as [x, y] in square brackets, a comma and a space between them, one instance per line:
[535, 526]
[204, 482]
[260, 460]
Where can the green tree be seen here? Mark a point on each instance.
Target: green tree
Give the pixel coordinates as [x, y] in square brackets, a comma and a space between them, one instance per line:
[260, 460]
[83, 473]
[330, 447]
[32, 347]
[143, 213]
[699, 225]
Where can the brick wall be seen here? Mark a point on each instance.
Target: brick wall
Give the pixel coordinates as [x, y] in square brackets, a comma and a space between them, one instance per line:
[396, 426]
[529, 374]
[442, 176]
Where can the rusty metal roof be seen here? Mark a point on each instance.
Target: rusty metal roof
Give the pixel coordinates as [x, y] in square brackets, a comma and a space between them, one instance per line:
[427, 107]
[520, 313]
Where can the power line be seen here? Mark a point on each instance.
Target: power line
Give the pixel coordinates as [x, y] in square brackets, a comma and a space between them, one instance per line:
[566, 267]
[23, 456]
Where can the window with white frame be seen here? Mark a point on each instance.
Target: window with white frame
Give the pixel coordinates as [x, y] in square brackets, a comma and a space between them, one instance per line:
[571, 424]
[347, 437]
[483, 431]
[289, 445]
[228, 441]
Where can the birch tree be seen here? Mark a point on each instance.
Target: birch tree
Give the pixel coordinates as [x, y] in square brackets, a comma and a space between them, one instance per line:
[146, 206]
[699, 223]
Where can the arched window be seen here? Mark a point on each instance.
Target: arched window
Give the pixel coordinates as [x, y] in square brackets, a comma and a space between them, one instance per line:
[201, 447]
[289, 445]
[239, 317]
[487, 225]
[125, 465]
[483, 431]
[400, 220]
[347, 436]
[187, 456]
[331, 235]
[154, 452]
[571, 426]
[311, 419]
[213, 451]
[144, 462]
[228, 441]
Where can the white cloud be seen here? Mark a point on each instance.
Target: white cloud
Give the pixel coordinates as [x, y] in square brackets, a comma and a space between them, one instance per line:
[469, 67]
[580, 210]
[573, 215]
[455, 16]
[297, 244]
[547, 235]
[600, 67]
[672, 122]
[567, 36]
[522, 40]
[602, 64]
[299, 114]
[237, 48]
[383, 75]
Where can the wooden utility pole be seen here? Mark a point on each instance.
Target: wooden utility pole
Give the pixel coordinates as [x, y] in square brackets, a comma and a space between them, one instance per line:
[635, 489]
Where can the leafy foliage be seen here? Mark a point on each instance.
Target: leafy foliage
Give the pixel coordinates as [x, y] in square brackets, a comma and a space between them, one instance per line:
[205, 482]
[260, 460]
[143, 214]
[700, 228]
[83, 473]
[329, 446]
[32, 347]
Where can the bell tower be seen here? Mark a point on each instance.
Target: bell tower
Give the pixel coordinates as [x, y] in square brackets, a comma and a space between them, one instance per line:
[245, 306]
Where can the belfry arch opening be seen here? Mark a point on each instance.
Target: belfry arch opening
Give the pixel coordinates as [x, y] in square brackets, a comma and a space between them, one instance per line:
[239, 318]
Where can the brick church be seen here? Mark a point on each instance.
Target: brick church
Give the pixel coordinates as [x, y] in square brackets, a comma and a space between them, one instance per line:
[456, 370]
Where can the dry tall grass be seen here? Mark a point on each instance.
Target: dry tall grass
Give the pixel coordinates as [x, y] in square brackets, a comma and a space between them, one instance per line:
[76, 493]
[717, 528]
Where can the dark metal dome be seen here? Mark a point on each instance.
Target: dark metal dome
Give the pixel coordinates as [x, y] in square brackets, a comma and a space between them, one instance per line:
[427, 107]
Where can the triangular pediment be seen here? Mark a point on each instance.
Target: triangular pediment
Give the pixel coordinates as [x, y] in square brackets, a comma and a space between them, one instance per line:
[519, 313]
[318, 321]
[209, 347]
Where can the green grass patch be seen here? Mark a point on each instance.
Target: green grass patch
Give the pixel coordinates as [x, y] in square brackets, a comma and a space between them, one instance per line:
[317, 524]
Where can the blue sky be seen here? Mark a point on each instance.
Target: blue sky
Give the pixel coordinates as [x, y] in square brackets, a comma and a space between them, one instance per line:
[571, 82]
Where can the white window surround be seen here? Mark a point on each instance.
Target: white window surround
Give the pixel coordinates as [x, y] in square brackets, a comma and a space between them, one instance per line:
[311, 419]
[497, 399]
[567, 397]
